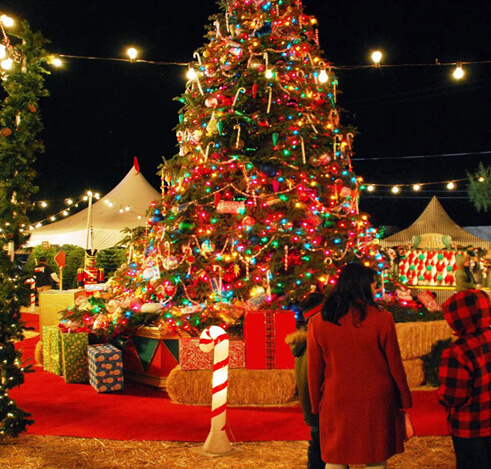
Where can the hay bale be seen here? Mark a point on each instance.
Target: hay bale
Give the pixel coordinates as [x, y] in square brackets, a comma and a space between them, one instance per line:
[246, 387]
[417, 338]
[38, 353]
[414, 372]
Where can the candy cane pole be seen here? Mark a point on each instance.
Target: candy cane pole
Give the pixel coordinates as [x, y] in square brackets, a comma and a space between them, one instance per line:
[215, 337]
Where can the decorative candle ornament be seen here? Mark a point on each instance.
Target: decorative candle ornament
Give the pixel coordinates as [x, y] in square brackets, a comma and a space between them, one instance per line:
[215, 338]
[270, 98]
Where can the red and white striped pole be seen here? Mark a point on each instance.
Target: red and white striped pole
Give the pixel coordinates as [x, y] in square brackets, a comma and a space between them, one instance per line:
[215, 338]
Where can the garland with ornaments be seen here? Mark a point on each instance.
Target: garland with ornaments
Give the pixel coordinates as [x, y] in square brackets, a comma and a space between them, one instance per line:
[260, 206]
[22, 85]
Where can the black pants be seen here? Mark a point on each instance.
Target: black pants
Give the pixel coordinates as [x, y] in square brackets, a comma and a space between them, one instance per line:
[314, 451]
[472, 453]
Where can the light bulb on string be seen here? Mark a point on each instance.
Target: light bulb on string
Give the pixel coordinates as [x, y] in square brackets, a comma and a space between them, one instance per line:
[191, 74]
[56, 61]
[132, 53]
[395, 190]
[459, 71]
[370, 188]
[268, 73]
[451, 185]
[323, 77]
[416, 187]
[7, 21]
[376, 57]
[6, 64]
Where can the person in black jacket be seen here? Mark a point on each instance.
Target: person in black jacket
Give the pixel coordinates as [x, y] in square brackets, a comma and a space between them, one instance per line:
[298, 344]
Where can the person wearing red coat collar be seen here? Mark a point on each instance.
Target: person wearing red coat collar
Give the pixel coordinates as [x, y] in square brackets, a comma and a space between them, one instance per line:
[357, 381]
[465, 378]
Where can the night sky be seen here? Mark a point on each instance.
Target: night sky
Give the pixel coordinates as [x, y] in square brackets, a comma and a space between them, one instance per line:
[100, 114]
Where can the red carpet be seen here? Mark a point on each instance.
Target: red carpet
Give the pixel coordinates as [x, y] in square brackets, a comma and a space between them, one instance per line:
[144, 413]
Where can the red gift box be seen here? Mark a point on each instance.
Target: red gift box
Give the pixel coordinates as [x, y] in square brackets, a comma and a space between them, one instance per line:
[264, 334]
[192, 358]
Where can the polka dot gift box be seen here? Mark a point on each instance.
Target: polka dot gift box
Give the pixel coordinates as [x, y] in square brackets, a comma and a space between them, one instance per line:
[105, 368]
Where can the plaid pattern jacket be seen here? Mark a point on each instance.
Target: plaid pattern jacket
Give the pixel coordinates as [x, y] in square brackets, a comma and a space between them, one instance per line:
[465, 370]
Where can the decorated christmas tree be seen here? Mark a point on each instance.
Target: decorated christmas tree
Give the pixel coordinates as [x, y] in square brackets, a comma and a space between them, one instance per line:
[260, 206]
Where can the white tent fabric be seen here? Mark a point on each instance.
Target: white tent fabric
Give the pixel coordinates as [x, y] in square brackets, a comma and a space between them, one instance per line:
[124, 207]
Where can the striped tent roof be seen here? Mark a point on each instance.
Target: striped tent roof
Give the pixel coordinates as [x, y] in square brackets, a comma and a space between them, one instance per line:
[435, 219]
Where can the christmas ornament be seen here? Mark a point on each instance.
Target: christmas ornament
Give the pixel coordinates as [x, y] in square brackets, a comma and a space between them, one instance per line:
[187, 226]
[269, 169]
[5, 132]
[207, 246]
[211, 102]
[170, 263]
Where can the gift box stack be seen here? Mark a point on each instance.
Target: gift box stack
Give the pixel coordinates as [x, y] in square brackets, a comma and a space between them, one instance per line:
[52, 358]
[264, 335]
[74, 357]
[192, 358]
[105, 368]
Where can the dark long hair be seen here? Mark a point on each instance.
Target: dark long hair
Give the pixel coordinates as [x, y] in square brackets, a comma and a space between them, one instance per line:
[352, 290]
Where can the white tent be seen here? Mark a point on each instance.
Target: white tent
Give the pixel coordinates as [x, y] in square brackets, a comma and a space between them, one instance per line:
[124, 207]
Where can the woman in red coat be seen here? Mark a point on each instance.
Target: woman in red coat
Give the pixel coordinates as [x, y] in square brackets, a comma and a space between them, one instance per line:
[357, 382]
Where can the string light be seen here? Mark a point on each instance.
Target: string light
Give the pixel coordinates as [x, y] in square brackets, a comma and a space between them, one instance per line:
[451, 185]
[132, 53]
[7, 21]
[437, 63]
[459, 71]
[396, 189]
[377, 57]
[416, 187]
[191, 74]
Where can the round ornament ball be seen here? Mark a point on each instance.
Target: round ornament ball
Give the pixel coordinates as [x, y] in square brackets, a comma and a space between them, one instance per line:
[211, 102]
[345, 192]
[254, 239]
[170, 263]
[155, 219]
[187, 226]
[5, 132]
[268, 169]
[169, 289]
[248, 221]
[207, 246]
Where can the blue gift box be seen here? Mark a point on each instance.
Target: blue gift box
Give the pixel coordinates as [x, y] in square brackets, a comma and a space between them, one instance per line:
[105, 368]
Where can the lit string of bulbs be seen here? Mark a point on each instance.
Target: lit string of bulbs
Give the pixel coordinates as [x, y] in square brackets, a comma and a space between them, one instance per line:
[376, 56]
[8, 54]
[67, 211]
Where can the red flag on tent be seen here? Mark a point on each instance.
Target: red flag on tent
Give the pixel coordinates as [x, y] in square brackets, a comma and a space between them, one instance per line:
[136, 164]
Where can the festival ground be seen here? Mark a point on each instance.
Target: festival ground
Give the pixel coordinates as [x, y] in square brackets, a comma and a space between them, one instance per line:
[38, 452]
[275, 436]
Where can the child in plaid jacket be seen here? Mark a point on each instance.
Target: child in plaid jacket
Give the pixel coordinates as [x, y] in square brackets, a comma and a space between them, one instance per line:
[465, 377]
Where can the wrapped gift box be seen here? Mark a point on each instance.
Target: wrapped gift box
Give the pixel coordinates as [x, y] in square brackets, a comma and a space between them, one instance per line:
[74, 353]
[264, 335]
[105, 368]
[52, 350]
[192, 358]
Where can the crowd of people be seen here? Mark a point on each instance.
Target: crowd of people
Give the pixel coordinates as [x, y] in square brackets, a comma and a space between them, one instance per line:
[352, 384]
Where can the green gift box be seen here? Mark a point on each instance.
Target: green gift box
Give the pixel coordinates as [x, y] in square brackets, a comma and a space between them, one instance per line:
[52, 350]
[74, 353]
